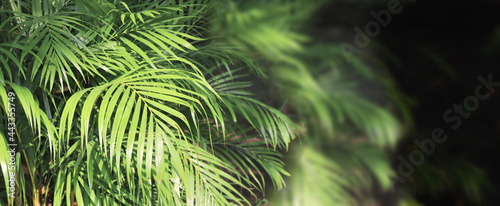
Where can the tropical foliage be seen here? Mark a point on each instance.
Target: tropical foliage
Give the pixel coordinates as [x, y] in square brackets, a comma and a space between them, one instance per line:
[128, 103]
[189, 102]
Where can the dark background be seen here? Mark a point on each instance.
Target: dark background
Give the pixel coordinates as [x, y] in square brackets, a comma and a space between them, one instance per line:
[437, 49]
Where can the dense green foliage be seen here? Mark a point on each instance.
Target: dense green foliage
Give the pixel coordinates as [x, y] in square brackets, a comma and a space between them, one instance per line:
[128, 103]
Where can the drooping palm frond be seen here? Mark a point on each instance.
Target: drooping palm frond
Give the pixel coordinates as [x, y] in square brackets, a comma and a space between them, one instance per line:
[153, 101]
[337, 112]
[36, 119]
[328, 97]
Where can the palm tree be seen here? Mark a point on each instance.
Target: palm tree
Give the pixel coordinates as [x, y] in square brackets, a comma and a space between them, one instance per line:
[127, 102]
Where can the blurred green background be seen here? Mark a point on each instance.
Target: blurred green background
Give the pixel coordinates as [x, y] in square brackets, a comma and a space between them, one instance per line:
[359, 116]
